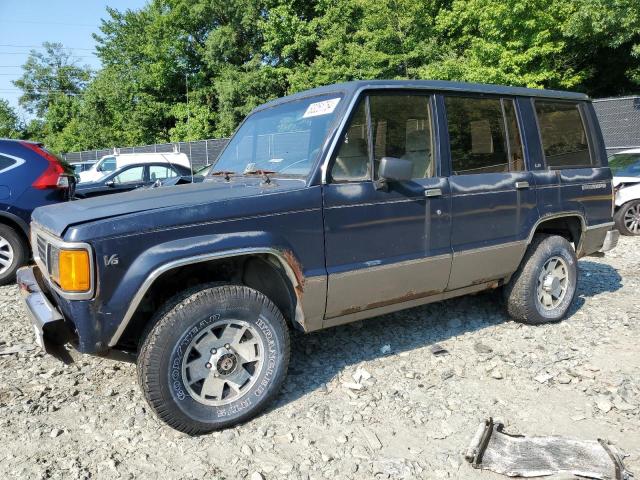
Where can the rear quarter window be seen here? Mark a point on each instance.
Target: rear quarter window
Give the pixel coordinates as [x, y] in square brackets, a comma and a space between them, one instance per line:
[6, 163]
[563, 134]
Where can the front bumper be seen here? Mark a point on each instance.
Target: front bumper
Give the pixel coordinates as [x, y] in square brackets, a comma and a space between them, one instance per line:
[610, 240]
[50, 328]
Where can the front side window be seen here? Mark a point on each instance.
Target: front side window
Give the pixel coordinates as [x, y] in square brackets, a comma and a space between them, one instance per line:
[563, 134]
[352, 160]
[135, 174]
[107, 165]
[479, 139]
[402, 129]
[284, 139]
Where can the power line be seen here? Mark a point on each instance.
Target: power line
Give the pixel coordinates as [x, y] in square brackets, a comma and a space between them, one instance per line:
[27, 53]
[49, 23]
[43, 47]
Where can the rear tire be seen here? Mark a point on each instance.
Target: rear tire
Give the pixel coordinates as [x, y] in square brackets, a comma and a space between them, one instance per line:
[13, 254]
[544, 286]
[627, 218]
[215, 357]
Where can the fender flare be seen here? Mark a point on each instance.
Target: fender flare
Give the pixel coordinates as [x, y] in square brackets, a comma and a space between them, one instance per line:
[286, 259]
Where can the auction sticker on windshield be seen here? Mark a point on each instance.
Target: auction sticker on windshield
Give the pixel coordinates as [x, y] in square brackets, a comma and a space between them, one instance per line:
[321, 108]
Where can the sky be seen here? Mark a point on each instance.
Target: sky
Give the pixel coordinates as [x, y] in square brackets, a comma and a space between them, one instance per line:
[25, 24]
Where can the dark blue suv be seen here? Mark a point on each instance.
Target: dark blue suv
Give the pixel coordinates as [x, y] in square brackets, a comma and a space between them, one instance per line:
[30, 177]
[332, 205]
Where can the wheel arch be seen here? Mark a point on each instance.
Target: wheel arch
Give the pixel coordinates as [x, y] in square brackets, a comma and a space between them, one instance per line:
[275, 273]
[570, 225]
[19, 225]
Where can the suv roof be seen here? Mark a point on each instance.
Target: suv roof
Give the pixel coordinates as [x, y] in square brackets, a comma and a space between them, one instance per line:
[352, 87]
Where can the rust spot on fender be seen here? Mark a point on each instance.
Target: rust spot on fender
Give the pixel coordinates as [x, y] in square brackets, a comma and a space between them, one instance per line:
[292, 261]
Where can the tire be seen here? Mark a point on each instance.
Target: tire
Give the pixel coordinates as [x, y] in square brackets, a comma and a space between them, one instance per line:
[13, 254]
[627, 218]
[522, 294]
[191, 379]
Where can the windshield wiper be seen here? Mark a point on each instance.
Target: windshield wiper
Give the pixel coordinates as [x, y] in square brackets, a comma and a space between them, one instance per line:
[227, 174]
[265, 174]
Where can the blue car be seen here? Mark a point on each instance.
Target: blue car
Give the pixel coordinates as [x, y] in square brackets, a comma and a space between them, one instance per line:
[30, 177]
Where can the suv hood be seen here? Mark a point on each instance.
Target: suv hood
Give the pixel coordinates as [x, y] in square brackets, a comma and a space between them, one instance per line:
[59, 217]
[618, 180]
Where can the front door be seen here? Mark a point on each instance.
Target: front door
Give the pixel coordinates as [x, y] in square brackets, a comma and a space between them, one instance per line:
[385, 246]
[493, 201]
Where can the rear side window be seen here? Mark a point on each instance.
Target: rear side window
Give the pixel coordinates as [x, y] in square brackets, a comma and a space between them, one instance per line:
[563, 134]
[483, 135]
[6, 163]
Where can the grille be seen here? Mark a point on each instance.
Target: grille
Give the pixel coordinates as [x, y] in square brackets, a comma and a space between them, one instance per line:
[43, 249]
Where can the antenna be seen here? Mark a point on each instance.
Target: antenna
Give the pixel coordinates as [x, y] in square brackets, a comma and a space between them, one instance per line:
[186, 83]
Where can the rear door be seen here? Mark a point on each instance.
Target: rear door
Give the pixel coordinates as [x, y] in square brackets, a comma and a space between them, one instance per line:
[571, 169]
[493, 204]
[386, 246]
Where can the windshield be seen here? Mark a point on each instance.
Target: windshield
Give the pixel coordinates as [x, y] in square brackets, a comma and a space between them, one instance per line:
[284, 139]
[625, 165]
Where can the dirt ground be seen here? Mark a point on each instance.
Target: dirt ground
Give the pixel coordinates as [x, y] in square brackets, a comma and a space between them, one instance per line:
[412, 418]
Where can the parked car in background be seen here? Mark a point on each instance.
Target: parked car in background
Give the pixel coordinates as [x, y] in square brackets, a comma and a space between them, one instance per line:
[326, 207]
[625, 167]
[30, 177]
[110, 163]
[79, 167]
[131, 177]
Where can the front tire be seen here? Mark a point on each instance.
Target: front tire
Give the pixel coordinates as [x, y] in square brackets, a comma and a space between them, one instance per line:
[13, 254]
[215, 357]
[627, 218]
[545, 284]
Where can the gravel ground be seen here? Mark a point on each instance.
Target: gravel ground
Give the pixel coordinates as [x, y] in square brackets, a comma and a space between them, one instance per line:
[412, 418]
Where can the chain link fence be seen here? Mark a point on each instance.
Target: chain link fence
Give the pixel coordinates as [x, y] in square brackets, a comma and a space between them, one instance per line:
[200, 153]
[620, 122]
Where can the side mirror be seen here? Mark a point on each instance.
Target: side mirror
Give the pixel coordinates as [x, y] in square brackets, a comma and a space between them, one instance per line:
[393, 169]
[110, 183]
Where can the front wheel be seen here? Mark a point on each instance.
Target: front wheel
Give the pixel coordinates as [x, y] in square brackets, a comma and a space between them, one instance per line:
[627, 218]
[215, 357]
[544, 286]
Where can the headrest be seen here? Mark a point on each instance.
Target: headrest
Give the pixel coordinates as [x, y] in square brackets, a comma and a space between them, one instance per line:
[416, 141]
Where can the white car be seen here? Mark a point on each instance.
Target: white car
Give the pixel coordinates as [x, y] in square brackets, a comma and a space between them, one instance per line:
[625, 166]
[110, 163]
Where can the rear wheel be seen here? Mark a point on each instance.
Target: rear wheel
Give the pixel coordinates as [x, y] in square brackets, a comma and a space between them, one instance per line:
[627, 218]
[215, 357]
[12, 254]
[543, 287]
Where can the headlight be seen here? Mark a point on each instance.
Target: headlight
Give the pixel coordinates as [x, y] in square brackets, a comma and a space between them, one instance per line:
[70, 269]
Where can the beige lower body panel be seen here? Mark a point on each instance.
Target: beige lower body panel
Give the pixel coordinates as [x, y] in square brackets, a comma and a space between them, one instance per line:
[374, 312]
[483, 265]
[311, 303]
[378, 286]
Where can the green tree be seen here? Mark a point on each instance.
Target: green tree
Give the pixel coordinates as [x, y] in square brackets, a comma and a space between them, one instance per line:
[49, 75]
[10, 125]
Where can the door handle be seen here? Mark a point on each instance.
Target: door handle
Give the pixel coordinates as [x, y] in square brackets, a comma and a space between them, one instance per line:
[433, 192]
[521, 185]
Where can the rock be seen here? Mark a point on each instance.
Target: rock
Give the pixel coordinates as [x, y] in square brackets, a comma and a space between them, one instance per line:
[603, 404]
[360, 375]
[496, 374]
[342, 439]
[246, 450]
[352, 385]
[543, 377]
[385, 349]
[257, 476]
[563, 378]
[56, 432]
[482, 349]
